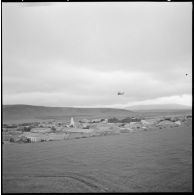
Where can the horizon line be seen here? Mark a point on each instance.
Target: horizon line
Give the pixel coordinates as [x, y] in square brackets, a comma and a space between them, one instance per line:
[106, 106]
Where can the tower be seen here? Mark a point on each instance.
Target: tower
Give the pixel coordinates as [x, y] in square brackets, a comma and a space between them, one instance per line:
[72, 124]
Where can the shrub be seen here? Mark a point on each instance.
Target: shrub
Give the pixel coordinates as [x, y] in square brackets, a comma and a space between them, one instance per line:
[5, 125]
[12, 126]
[113, 120]
[26, 129]
[25, 124]
[53, 129]
[11, 139]
[167, 118]
[126, 120]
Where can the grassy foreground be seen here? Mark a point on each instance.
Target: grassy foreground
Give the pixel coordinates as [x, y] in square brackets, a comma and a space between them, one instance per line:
[145, 161]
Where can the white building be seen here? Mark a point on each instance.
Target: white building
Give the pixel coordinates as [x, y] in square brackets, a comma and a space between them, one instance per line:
[72, 124]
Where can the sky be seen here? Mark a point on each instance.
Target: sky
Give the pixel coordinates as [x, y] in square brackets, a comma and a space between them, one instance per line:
[82, 54]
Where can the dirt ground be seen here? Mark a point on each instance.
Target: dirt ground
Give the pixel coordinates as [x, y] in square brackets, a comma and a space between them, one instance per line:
[158, 160]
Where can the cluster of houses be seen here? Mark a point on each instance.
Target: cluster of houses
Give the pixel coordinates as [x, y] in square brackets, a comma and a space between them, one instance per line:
[53, 130]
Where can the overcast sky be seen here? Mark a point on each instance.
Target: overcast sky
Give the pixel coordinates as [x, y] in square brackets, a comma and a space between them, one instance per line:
[82, 54]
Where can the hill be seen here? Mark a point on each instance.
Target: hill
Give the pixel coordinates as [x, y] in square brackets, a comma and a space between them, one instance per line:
[160, 107]
[15, 113]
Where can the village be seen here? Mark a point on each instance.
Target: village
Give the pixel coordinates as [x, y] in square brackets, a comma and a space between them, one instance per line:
[54, 130]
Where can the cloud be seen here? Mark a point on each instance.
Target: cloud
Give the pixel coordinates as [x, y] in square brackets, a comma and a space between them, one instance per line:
[83, 54]
[80, 86]
[64, 99]
[35, 4]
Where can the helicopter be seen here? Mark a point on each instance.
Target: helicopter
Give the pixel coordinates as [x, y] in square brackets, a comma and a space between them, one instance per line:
[120, 93]
[188, 75]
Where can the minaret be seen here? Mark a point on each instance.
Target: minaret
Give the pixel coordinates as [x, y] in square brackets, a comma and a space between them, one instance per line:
[72, 122]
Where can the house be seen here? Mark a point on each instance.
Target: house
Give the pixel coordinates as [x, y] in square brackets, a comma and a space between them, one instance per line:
[34, 139]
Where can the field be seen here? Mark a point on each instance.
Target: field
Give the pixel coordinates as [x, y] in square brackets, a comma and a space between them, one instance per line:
[157, 160]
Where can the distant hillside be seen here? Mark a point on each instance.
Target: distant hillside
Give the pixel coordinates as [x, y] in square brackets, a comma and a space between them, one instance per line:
[160, 107]
[14, 113]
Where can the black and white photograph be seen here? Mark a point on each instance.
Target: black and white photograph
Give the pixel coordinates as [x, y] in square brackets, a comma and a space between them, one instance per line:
[97, 97]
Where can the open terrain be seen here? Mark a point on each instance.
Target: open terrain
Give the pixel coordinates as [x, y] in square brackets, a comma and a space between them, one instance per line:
[150, 155]
[159, 160]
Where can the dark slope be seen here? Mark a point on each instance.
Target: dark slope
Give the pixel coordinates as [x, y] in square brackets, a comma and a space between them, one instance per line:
[28, 112]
